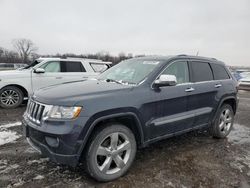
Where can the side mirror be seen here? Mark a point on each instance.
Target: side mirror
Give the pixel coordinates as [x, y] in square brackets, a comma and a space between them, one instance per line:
[39, 70]
[166, 80]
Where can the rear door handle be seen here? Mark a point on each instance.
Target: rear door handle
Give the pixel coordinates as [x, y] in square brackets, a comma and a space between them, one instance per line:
[189, 89]
[217, 85]
[58, 77]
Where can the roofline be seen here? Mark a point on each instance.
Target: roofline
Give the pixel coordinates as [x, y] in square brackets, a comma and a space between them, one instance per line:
[181, 56]
[75, 58]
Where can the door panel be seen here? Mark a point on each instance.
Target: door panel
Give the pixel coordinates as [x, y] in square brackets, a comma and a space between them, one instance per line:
[52, 75]
[168, 111]
[204, 96]
[202, 99]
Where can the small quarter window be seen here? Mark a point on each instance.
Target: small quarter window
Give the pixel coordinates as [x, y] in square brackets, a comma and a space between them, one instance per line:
[99, 67]
[220, 72]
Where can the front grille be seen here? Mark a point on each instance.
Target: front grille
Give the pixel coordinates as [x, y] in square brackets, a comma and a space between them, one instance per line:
[35, 111]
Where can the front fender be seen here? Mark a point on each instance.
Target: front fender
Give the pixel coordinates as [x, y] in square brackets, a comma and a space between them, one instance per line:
[109, 114]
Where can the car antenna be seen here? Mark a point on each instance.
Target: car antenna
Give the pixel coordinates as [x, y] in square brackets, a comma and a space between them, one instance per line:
[197, 53]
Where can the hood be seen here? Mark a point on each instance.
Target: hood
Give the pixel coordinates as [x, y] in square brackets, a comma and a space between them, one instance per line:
[71, 93]
[14, 73]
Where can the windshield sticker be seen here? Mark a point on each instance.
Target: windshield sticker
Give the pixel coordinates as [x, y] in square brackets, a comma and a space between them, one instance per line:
[150, 62]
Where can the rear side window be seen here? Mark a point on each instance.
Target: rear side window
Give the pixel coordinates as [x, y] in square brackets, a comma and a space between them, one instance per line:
[220, 72]
[72, 66]
[201, 71]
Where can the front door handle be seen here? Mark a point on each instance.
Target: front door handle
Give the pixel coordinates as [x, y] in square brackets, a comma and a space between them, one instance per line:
[59, 77]
[189, 89]
[217, 85]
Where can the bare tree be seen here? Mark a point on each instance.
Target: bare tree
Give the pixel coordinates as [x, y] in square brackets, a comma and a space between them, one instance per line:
[25, 48]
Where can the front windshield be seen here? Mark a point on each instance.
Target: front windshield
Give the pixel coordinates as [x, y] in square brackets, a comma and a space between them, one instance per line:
[130, 71]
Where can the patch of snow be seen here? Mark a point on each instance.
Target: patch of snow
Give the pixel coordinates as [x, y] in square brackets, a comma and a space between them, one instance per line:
[30, 150]
[5, 126]
[3, 162]
[8, 137]
[42, 160]
[19, 183]
[240, 134]
[38, 177]
[9, 168]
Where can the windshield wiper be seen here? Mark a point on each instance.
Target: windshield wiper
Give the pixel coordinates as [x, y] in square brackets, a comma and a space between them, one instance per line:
[128, 83]
[112, 80]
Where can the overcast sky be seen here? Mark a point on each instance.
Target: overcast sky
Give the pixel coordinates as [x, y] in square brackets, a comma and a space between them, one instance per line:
[219, 29]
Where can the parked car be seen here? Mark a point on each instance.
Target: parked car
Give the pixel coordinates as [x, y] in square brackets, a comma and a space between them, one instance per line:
[17, 85]
[244, 82]
[11, 66]
[102, 122]
[236, 75]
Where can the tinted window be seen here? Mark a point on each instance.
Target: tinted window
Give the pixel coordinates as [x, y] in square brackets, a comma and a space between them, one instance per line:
[220, 72]
[53, 66]
[70, 66]
[180, 70]
[201, 72]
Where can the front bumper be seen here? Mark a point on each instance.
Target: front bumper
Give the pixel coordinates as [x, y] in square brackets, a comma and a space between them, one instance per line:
[60, 148]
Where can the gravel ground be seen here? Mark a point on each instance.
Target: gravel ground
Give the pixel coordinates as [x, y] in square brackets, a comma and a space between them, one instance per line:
[191, 160]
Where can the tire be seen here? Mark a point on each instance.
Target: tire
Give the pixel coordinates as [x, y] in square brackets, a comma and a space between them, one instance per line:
[11, 97]
[223, 123]
[104, 160]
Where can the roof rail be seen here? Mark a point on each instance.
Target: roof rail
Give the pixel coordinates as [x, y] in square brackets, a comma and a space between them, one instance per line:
[80, 58]
[182, 55]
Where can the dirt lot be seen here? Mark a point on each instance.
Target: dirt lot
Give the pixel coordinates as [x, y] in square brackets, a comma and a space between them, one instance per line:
[191, 160]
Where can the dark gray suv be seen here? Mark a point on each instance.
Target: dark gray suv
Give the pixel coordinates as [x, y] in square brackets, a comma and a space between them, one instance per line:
[101, 122]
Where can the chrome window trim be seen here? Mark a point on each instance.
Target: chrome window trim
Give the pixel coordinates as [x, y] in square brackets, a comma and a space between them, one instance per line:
[188, 83]
[205, 61]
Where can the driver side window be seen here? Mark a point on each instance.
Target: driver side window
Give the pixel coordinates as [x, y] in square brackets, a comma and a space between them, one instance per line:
[180, 70]
[53, 66]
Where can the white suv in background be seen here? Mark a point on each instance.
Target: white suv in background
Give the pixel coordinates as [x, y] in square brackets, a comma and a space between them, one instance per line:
[17, 85]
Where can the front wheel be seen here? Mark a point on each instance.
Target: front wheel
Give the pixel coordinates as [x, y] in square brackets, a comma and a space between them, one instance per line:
[223, 123]
[11, 97]
[111, 152]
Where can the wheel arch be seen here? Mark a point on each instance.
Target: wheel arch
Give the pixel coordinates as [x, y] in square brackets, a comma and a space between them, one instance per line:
[231, 100]
[23, 89]
[128, 119]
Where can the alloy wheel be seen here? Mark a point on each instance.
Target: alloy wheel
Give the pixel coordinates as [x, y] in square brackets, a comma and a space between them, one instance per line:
[113, 153]
[9, 97]
[225, 121]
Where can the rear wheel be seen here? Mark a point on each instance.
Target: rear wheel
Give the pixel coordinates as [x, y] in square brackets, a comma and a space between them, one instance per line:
[111, 152]
[224, 122]
[10, 97]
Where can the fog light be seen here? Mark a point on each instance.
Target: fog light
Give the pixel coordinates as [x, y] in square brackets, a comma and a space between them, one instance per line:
[53, 142]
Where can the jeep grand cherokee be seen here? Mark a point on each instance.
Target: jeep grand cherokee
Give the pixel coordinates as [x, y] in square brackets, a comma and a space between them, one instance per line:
[101, 122]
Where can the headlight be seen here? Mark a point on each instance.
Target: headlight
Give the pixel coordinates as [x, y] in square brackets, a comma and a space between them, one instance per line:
[63, 112]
